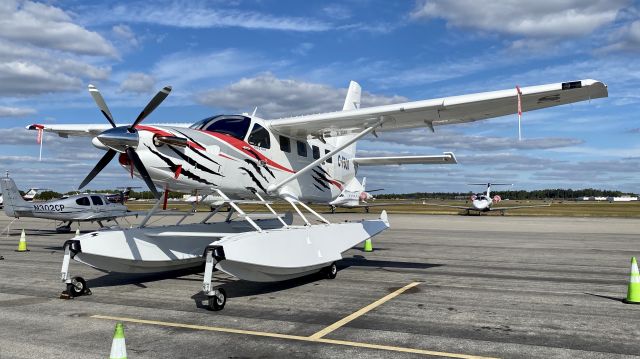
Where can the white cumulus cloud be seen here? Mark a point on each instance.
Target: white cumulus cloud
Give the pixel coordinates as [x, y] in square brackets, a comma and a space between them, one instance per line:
[276, 97]
[543, 18]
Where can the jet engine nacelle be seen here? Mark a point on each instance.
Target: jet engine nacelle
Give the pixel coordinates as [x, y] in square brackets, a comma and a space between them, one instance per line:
[496, 199]
[364, 196]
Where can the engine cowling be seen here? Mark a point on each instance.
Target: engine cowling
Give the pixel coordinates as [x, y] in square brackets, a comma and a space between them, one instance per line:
[496, 199]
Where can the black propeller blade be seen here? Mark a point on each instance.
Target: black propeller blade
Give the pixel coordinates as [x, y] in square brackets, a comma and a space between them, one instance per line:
[97, 97]
[137, 163]
[104, 161]
[155, 102]
[122, 140]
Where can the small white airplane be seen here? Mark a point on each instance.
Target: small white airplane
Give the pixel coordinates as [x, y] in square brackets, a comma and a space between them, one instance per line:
[78, 208]
[355, 194]
[483, 202]
[298, 159]
[32, 192]
[209, 199]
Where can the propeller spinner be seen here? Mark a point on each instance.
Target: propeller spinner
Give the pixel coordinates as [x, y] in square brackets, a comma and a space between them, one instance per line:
[123, 139]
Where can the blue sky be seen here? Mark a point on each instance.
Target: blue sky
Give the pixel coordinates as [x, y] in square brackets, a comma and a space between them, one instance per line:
[292, 57]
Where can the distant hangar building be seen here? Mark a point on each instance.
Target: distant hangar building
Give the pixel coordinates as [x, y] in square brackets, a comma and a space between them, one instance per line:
[609, 199]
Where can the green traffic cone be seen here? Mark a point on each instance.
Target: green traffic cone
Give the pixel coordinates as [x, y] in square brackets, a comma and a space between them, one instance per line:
[118, 347]
[22, 245]
[368, 247]
[633, 293]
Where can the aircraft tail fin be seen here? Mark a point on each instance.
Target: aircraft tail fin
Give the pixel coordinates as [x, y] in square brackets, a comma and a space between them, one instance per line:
[364, 184]
[11, 196]
[352, 101]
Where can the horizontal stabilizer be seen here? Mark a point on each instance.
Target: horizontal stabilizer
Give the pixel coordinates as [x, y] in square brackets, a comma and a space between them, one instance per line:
[446, 158]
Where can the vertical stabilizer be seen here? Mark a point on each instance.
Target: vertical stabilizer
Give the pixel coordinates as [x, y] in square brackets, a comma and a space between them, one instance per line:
[352, 101]
[364, 183]
[11, 196]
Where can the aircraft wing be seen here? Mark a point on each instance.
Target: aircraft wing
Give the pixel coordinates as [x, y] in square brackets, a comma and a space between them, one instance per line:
[446, 158]
[441, 111]
[86, 130]
[518, 207]
[450, 206]
[376, 204]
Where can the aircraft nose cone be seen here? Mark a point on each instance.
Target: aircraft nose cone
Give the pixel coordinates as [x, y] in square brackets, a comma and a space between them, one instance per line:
[119, 138]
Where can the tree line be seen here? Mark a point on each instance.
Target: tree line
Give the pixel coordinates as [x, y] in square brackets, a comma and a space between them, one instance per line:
[556, 193]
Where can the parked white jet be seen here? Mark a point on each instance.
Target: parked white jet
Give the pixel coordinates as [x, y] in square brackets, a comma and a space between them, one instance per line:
[78, 208]
[32, 193]
[298, 159]
[355, 194]
[483, 202]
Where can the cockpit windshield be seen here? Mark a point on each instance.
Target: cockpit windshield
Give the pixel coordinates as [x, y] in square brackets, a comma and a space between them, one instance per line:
[234, 125]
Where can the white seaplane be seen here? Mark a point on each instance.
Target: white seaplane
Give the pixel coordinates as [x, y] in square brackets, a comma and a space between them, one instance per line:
[298, 159]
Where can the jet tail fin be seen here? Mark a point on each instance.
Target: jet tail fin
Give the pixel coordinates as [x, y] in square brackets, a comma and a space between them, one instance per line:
[11, 196]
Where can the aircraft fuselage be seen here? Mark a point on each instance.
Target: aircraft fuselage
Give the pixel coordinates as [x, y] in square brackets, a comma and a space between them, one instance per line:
[240, 163]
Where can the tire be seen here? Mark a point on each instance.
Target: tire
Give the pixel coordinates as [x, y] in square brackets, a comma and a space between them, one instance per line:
[331, 271]
[77, 287]
[217, 302]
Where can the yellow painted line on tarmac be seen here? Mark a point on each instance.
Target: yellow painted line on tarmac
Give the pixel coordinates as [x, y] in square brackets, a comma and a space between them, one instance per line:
[362, 311]
[291, 337]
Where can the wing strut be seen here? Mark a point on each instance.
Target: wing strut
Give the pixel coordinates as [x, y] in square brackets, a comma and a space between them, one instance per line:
[273, 188]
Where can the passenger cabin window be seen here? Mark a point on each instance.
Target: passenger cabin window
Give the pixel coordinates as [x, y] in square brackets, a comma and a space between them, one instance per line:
[259, 137]
[302, 148]
[234, 126]
[97, 201]
[285, 144]
[316, 152]
[83, 201]
[330, 159]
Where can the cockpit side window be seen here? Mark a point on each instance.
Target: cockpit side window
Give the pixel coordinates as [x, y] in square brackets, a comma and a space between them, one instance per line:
[302, 148]
[83, 201]
[97, 200]
[235, 126]
[259, 137]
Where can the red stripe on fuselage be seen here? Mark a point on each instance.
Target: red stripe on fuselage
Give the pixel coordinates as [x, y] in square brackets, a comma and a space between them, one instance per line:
[239, 145]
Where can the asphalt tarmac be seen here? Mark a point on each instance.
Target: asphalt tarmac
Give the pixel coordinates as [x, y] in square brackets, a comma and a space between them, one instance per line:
[435, 286]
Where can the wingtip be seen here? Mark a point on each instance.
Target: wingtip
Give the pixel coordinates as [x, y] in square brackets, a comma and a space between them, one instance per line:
[384, 217]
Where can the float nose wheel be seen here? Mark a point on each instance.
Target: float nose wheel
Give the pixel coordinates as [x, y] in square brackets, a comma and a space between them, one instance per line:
[78, 287]
[330, 272]
[217, 300]
[75, 288]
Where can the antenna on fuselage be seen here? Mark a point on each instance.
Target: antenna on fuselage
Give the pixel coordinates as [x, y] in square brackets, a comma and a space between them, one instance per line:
[254, 111]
